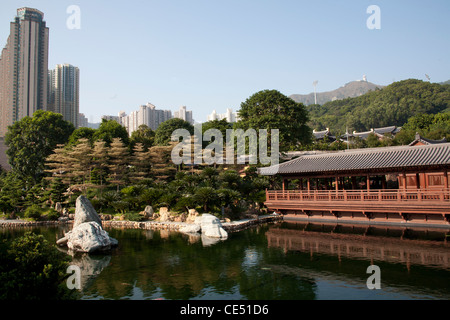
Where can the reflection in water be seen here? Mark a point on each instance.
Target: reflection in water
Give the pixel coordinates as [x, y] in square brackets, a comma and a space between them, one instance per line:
[277, 262]
[91, 266]
[372, 244]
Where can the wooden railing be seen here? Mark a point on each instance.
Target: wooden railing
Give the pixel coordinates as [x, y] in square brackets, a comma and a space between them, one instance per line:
[438, 195]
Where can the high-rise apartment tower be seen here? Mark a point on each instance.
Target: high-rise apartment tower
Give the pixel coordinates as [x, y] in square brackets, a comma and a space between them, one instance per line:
[24, 68]
[64, 92]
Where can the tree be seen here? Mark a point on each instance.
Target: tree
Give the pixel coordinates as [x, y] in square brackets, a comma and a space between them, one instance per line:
[144, 135]
[140, 164]
[269, 109]
[32, 269]
[31, 140]
[206, 197]
[81, 156]
[164, 132]
[162, 167]
[58, 165]
[81, 133]
[109, 130]
[392, 105]
[430, 126]
[100, 160]
[221, 125]
[118, 159]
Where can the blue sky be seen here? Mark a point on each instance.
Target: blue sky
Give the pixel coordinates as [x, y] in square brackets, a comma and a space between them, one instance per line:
[215, 54]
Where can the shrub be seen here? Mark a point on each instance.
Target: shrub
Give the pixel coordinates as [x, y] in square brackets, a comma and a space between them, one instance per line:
[133, 216]
[33, 212]
[32, 269]
[51, 215]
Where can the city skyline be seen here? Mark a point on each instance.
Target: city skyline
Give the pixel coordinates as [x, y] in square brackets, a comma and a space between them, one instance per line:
[215, 55]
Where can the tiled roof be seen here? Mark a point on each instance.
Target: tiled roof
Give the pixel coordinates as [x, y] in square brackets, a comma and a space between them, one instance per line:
[366, 159]
[426, 141]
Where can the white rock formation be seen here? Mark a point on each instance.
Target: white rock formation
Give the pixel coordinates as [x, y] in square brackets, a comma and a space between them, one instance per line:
[211, 227]
[208, 225]
[191, 228]
[87, 234]
[89, 237]
[164, 215]
[193, 214]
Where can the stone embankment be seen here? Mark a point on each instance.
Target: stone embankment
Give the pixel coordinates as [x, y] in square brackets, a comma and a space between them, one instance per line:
[10, 224]
[230, 227]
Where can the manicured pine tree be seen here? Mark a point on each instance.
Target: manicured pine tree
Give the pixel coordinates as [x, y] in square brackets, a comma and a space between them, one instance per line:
[100, 161]
[81, 165]
[118, 162]
[162, 167]
[58, 166]
[140, 164]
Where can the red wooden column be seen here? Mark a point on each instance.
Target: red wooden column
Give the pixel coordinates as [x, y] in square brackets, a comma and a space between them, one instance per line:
[404, 181]
[368, 183]
[446, 179]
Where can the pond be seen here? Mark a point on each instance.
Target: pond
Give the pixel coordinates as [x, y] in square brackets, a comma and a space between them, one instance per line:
[283, 261]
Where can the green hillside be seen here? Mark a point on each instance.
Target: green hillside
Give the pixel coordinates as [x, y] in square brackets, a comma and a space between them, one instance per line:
[392, 105]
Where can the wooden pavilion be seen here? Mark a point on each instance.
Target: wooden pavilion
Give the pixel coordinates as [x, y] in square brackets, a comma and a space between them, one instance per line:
[407, 184]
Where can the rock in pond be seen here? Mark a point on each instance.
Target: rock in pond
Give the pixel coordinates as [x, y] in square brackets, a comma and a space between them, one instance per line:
[211, 227]
[87, 234]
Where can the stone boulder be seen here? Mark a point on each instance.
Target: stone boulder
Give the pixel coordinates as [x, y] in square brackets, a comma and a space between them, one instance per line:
[87, 234]
[85, 212]
[191, 216]
[164, 215]
[191, 228]
[89, 237]
[150, 212]
[58, 207]
[211, 227]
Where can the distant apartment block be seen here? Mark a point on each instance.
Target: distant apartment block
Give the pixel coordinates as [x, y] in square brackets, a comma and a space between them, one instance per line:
[185, 115]
[24, 68]
[82, 121]
[147, 114]
[111, 118]
[230, 116]
[64, 92]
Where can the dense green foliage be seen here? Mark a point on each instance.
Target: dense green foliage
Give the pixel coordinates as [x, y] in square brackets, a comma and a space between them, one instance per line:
[164, 132]
[207, 191]
[144, 135]
[123, 175]
[270, 109]
[32, 269]
[430, 126]
[392, 105]
[32, 139]
[109, 130]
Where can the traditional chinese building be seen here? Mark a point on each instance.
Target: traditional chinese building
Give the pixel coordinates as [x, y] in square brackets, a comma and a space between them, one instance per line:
[406, 184]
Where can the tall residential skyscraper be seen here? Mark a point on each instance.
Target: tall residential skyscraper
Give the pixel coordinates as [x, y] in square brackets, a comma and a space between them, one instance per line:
[64, 92]
[147, 114]
[24, 68]
[230, 116]
[183, 114]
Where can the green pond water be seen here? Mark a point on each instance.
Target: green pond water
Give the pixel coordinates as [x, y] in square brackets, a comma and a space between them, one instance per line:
[283, 261]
